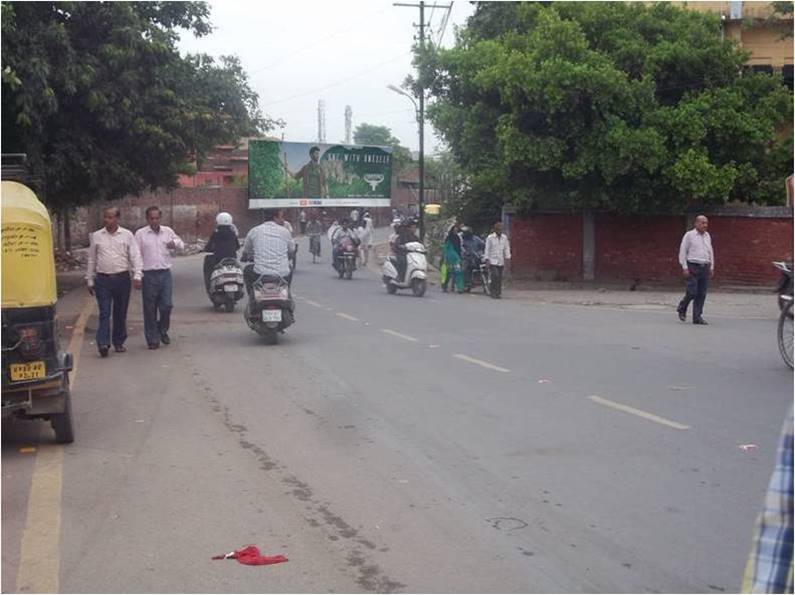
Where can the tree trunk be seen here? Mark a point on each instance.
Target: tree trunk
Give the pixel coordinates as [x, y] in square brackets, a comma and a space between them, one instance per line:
[67, 232]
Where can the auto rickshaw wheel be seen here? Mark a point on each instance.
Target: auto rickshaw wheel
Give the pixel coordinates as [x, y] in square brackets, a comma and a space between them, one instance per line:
[62, 422]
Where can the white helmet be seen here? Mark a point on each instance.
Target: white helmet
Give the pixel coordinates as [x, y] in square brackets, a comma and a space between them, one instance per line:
[223, 219]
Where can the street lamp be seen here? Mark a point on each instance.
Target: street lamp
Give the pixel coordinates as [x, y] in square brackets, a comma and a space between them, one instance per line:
[420, 114]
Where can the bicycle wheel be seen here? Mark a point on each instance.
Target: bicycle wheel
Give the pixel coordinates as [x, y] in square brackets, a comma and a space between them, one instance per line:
[785, 334]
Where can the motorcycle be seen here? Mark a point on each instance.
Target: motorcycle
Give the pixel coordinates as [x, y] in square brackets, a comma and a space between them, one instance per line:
[784, 330]
[478, 273]
[314, 246]
[416, 271]
[270, 309]
[345, 261]
[226, 284]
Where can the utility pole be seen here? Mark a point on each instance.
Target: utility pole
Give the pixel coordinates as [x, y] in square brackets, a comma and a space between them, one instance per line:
[421, 117]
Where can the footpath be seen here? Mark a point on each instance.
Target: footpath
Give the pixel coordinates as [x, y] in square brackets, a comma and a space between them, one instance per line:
[722, 302]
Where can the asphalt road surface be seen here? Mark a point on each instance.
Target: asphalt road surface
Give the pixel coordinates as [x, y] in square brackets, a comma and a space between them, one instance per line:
[395, 444]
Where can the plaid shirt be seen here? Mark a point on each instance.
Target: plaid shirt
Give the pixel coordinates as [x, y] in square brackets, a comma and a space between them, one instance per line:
[270, 245]
[769, 568]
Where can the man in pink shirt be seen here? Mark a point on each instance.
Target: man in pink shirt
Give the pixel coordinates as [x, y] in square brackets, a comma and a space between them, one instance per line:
[112, 254]
[155, 241]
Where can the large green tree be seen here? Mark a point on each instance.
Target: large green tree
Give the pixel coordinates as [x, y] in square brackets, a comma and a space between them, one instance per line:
[372, 134]
[613, 105]
[98, 96]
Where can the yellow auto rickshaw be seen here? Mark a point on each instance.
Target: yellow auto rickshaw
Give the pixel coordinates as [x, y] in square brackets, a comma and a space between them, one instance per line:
[35, 371]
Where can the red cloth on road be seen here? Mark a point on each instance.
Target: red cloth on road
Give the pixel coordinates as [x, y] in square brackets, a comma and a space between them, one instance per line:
[250, 555]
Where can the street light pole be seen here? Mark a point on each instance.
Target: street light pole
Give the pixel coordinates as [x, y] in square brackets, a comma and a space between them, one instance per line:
[419, 115]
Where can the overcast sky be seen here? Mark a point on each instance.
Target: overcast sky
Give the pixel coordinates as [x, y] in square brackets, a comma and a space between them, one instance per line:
[346, 53]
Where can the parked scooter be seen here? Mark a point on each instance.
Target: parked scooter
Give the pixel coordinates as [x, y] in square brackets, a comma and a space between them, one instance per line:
[416, 276]
[226, 284]
[270, 309]
[345, 261]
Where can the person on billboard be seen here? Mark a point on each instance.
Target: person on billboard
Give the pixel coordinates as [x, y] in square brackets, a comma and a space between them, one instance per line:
[312, 175]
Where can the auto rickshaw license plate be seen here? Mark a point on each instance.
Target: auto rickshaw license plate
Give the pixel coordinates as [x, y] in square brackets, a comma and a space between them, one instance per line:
[29, 371]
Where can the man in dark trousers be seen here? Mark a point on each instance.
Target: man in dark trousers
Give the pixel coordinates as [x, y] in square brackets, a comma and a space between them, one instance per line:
[496, 252]
[112, 254]
[698, 266]
[155, 242]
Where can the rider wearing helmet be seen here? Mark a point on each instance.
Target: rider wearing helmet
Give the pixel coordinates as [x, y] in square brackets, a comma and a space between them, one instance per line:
[222, 244]
[407, 232]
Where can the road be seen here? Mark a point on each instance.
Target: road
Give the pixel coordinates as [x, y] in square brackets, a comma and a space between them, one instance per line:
[395, 444]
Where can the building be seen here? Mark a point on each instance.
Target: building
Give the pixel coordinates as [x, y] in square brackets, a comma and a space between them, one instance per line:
[754, 27]
[226, 166]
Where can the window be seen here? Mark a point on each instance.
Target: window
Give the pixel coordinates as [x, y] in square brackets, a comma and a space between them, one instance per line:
[786, 75]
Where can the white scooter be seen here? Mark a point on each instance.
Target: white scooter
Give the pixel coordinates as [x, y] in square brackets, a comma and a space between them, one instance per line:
[416, 271]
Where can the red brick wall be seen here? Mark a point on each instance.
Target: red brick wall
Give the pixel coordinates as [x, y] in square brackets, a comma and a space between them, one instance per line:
[745, 247]
[633, 247]
[547, 246]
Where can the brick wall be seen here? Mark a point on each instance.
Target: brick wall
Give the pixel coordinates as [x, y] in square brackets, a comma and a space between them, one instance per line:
[637, 247]
[547, 247]
[745, 246]
[191, 212]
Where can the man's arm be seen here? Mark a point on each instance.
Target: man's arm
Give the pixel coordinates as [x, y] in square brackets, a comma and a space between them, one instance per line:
[137, 262]
[176, 241]
[711, 257]
[91, 267]
[683, 252]
[507, 253]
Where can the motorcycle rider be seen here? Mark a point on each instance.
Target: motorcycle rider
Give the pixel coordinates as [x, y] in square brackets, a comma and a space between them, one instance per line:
[315, 229]
[343, 231]
[407, 233]
[270, 246]
[223, 243]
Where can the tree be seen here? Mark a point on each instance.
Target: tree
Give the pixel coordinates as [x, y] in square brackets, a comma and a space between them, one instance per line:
[371, 134]
[630, 107]
[102, 102]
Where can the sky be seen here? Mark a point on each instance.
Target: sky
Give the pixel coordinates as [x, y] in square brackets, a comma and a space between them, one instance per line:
[297, 52]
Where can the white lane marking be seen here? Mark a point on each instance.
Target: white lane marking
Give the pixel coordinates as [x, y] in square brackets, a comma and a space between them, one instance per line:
[638, 412]
[315, 304]
[478, 362]
[398, 335]
[347, 316]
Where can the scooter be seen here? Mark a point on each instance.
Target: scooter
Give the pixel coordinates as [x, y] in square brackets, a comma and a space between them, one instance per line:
[270, 309]
[416, 276]
[345, 261]
[226, 284]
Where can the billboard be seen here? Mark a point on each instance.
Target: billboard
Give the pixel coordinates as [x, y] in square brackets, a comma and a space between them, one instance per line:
[284, 174]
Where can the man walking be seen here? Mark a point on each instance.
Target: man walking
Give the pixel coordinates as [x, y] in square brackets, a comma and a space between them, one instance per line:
[496, 252]
[698, 266]
[112, 253]
[302, 222]
[154, 242]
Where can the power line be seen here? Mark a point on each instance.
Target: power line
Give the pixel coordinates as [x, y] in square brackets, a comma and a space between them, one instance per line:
[320, 41]
[338, 82]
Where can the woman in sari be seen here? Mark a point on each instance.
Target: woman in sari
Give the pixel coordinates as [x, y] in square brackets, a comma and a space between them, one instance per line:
[452, 260]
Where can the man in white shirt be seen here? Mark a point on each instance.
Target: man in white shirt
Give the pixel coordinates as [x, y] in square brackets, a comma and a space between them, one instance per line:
[497, 251]
[155, 242]
[269, 245]
[112, 253]
[698, 265]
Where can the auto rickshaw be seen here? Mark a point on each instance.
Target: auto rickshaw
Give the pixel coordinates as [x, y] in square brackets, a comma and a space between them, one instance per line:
[35, 372]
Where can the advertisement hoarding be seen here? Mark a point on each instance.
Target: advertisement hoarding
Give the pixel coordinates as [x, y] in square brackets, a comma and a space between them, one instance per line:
[286, 174]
